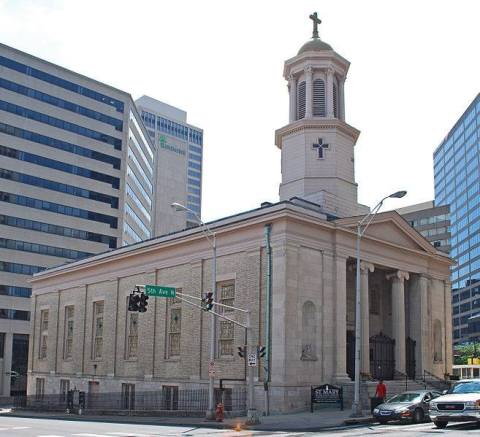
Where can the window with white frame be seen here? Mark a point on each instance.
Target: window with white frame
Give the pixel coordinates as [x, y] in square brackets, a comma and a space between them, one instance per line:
[43, 335]
[68, 332]
[98, 330]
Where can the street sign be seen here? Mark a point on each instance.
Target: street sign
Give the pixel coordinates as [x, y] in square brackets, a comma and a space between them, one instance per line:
[252, 360]
[211, 369]
[160, 291]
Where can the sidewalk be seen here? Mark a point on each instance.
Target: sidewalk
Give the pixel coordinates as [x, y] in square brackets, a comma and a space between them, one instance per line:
[306, 421]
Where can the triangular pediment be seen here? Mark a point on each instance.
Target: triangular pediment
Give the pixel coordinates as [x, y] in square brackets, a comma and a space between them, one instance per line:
[391, 227]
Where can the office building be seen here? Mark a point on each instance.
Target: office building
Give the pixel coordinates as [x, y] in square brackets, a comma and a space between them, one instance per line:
[76, 179]
[457, 183]
[431, 221]
[178, 164]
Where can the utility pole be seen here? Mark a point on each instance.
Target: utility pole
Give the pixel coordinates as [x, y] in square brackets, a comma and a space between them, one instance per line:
[252, 416]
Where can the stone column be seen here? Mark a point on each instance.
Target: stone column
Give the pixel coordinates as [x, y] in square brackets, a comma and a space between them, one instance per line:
[341, 319]
[329, 93]
[308, 91]
[398, 317]
[292, 88]
[365, 268]
[448, 353]
[341, 99]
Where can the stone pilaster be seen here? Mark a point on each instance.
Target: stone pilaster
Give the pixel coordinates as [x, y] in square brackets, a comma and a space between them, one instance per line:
[292, 89]
[329, 93]
[341, 318]
[398, 317]
[365, 268]
[308, 91]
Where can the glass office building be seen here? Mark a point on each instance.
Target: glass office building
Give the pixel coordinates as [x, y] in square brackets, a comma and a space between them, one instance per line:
[178, 163]
[457, 183]
[76, 178]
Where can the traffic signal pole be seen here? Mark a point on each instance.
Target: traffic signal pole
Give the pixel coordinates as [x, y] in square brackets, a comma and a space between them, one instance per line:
[252, 416]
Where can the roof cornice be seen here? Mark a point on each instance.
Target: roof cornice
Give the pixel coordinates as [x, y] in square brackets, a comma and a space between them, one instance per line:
[316, 123]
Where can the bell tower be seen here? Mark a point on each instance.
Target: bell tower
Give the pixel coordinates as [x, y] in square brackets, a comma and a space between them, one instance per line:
[318, 145]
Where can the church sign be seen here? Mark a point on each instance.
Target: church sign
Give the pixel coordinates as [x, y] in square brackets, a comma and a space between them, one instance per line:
[326, 394]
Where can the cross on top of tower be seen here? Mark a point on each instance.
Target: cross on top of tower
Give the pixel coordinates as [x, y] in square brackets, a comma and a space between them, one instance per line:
[316, 22]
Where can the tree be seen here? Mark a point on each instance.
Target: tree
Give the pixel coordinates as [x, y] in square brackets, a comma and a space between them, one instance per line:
[463, 352]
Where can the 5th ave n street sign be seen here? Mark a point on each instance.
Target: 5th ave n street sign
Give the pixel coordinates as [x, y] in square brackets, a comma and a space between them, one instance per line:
[160, 291]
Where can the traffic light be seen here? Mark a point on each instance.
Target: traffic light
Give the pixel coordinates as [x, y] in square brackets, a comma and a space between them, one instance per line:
[261, 351]
[142, 305]
[241, 351]
[207, 301]
[133, 302]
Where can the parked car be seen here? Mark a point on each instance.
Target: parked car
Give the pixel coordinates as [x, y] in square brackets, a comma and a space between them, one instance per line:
[459, 404]
[409, 406]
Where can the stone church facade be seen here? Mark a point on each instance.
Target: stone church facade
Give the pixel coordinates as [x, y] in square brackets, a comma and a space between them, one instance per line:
[298, 255]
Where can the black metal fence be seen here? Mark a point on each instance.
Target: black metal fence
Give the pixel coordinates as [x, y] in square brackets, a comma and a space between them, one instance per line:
[168, 401]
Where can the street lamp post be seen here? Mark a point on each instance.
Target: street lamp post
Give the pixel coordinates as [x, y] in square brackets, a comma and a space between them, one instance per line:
[364, 223]
[211, 237]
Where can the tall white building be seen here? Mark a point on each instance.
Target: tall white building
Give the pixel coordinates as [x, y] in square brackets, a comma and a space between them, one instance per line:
[178, 164]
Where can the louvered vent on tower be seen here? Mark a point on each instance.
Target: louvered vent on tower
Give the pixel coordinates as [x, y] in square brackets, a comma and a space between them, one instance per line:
[335, 103]
[318, 98]
[301, 100]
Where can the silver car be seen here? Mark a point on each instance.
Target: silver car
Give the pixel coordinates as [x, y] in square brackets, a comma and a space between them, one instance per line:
[409, 406]
[460, 404]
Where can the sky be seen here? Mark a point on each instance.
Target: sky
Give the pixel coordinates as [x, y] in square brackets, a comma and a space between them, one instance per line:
[415, 67]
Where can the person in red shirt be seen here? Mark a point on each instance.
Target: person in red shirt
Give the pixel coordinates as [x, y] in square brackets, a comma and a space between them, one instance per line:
[381, 390]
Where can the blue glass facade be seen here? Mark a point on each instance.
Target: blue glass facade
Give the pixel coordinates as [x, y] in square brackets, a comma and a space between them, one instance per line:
[457, 183]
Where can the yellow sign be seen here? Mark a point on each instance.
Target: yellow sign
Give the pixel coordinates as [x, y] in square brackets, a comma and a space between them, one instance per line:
[473, 361]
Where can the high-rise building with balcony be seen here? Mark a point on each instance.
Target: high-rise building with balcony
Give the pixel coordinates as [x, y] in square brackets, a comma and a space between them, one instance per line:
[76, 178]
[178, 164]
[457, 183]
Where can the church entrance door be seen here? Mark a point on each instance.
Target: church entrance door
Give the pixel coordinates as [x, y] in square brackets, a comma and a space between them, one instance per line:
[382, 356]
[410, 357]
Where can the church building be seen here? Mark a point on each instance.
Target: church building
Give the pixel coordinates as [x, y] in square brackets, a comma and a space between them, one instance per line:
[291, 263]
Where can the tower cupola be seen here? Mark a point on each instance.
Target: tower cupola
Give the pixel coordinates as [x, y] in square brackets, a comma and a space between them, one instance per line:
[316, 78]
[317, 144]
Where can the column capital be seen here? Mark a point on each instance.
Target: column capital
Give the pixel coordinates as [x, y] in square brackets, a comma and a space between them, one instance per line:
[399, 275]
[366, 267]
[330, 71]
[308, 69]
[291, 78]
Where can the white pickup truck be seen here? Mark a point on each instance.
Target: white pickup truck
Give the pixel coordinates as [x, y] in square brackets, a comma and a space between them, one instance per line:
[459, 404]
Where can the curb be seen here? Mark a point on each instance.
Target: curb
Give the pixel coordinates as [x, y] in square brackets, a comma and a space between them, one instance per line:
[347, 423]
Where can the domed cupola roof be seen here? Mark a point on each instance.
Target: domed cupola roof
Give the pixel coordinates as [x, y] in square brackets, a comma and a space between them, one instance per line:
[315, 44]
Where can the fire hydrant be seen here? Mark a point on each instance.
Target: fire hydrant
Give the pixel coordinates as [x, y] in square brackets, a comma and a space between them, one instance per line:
[219, 413]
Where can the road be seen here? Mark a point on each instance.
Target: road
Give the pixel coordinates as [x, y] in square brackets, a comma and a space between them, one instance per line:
[24, 427]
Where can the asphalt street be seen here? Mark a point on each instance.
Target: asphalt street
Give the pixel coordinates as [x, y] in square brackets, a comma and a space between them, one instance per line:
[24, 427]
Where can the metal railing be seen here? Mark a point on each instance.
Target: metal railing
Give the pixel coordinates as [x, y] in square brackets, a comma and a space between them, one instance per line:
[169, 401]
[434, 381]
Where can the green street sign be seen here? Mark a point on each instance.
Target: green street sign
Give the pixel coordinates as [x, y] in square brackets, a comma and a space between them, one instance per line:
[160, 291]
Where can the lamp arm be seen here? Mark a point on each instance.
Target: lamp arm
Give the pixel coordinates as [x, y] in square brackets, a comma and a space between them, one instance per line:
[370, 216]
[209, 234]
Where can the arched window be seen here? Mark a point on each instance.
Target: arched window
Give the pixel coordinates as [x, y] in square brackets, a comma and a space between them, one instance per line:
[335, 101]
[437, 341]
[301, 100]
[309, 332]
[319, 98]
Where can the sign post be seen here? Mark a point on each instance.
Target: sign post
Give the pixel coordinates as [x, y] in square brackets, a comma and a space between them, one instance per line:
[252, 360]
[160, 291]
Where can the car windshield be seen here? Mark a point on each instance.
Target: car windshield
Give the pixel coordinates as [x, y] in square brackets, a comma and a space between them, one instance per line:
[466, 387]
[406, 397]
